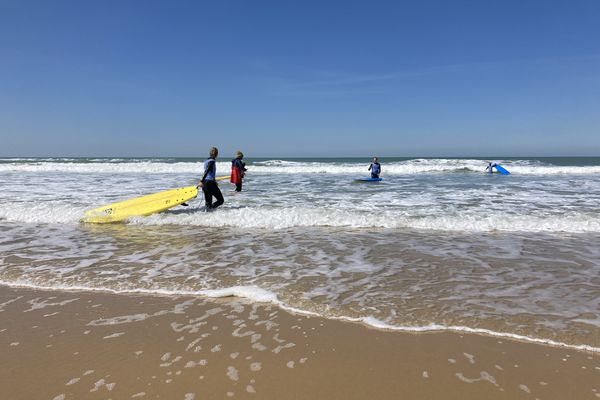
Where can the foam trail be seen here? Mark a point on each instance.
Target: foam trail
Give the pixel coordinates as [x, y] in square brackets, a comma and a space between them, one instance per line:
[481, 331]
[248, 292]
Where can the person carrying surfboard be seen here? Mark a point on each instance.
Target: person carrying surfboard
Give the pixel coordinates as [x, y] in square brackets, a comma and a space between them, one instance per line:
[375, 168]
[490, 167]
[499, 168]
[209, 181]
[238, 168]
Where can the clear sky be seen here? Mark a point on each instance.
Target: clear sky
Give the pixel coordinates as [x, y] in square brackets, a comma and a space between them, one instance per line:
[299, 78]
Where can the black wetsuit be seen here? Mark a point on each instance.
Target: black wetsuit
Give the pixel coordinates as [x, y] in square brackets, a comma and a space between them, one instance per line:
[375, 169]
[210, 187]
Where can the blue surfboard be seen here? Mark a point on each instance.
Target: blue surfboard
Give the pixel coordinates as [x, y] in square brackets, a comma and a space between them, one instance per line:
[368, 180]
[501, 169]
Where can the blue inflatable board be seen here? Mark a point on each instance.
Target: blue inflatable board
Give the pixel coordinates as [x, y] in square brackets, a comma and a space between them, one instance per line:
[368, 180]
[501, 169]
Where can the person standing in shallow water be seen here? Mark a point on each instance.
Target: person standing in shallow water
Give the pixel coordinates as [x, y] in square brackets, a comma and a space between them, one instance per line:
[375, 168]
[209, 181]
[238, 169]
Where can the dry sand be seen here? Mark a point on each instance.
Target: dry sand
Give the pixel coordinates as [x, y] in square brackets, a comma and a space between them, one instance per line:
[82, 345]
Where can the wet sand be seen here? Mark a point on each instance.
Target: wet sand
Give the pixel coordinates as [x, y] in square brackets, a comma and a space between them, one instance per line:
[75, 345]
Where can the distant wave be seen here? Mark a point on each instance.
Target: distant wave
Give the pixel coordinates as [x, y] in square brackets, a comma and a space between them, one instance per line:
[416, 166]
[141, 167]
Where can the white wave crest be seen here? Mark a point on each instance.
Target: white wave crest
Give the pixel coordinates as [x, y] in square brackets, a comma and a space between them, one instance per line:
[408, 167]
[314, 217]
[144, 167]
[284, 218]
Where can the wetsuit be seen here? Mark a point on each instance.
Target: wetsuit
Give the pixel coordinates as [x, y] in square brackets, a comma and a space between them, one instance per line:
[238, 167]
[375, 169]
[209, 184]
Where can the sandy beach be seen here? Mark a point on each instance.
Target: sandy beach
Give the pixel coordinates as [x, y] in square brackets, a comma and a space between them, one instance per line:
[98, 345]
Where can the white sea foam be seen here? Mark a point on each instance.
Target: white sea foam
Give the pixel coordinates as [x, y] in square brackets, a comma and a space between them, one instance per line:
[417, 166]
[408, 167]
[315, 217]
[143, 167]
[456, 328]
[284, 194]
[55, 212]
[247, 292]
[49, 212]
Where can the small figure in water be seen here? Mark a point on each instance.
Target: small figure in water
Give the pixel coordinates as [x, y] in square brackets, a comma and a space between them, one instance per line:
[375, 168]
[490, 167]
[209, 181]
[238, 170]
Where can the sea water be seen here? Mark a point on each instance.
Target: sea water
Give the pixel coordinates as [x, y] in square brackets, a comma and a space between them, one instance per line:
[437, 245]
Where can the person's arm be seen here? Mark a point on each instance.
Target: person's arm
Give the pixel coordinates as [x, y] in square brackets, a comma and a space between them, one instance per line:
[370, 167]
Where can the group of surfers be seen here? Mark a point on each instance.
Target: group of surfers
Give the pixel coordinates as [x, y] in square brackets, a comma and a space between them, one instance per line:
[209, 186]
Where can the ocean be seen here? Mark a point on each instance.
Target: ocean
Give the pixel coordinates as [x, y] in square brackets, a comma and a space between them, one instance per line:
[437, 245]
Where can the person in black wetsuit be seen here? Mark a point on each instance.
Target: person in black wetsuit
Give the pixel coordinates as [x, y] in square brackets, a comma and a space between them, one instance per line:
[375, 168]
[209, 181]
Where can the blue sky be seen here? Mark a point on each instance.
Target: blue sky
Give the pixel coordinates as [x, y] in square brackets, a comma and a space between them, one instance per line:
[299, 78]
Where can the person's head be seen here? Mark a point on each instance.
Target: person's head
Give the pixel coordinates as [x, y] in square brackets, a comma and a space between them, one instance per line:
[375, 159]
[214, 152]
[239, 155]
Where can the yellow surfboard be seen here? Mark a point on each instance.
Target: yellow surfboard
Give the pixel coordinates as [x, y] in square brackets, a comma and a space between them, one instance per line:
[142, 206]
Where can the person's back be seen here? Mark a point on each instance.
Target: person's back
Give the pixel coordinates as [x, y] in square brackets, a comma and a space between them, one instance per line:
[210, 170]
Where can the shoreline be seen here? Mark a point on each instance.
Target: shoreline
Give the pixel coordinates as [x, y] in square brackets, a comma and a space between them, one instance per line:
[267, 298]
[62, 345]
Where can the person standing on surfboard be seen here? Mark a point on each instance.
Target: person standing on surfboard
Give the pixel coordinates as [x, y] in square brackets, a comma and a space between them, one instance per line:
[238, 168]
[375, 168]
[209, 181]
